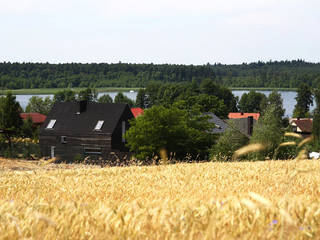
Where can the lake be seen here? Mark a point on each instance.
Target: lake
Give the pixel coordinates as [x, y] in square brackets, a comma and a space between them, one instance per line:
[287, 96]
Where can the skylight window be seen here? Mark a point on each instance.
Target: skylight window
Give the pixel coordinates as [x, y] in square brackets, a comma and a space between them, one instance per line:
[99, 125]
[51, 123]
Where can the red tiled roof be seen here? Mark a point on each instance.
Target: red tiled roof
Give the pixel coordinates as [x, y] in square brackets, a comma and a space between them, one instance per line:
[305, 125]
[36, 117]
[137, 111]
[244, 115]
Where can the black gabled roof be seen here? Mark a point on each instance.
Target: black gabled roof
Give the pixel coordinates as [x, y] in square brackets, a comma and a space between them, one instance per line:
[69, 122]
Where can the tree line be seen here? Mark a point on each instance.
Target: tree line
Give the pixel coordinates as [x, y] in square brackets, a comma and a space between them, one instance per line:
[273, 74]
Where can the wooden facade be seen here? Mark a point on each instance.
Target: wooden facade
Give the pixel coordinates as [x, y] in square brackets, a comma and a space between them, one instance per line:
[75, 132]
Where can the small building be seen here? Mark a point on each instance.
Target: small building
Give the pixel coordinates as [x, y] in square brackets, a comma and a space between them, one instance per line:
[37, 118]
[243, 125]
[75, 130]
[137, 112]
[302, 126]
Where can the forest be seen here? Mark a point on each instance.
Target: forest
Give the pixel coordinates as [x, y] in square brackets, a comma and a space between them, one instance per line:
[272, 74]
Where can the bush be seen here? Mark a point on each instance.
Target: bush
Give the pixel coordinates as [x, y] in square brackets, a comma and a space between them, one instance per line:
[227, 144]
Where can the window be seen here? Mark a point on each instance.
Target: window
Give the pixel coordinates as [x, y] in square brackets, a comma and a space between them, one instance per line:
[51, 124]
[98, 125]
[63, 139]
[123, 131]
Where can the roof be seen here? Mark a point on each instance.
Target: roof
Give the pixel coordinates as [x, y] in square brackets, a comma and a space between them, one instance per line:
[70, 122]
[36, 117]
[220, 125]
[137, 111]
[243, 115]
[303, 125]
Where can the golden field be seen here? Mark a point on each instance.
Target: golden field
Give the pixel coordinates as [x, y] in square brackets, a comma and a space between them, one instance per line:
[238, 200]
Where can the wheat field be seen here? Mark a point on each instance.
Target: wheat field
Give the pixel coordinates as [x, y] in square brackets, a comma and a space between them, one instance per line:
[236, 200]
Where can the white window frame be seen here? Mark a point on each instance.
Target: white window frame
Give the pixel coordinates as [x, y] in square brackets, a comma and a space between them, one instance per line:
[51, 124]
[99, 125]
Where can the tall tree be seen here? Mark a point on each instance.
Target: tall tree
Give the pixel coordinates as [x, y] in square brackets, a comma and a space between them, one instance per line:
[39, 105]
[251, 102]
[177, 131]
[267, 132]
[316, 121]
[66, 95]
[88, 94]
[105, 99]
[276, 100]
[120, 98]
[10, 120]
[141, 100]
[304, 100]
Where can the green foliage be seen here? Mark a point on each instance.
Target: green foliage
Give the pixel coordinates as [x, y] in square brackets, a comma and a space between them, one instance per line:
[120, 98]
[304, 100]
[105, 99]
[230, 141]
[10, 119]
[39, 105]
[141, 100]
[10, 113]
[27, 128]
[283, 74]
[88, 94]
[251, 102]
[316, 122]
[66, 95]
[177, 131]
[209, 96]
[268, 132]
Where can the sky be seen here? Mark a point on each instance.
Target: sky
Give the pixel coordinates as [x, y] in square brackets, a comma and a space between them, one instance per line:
[154, 31]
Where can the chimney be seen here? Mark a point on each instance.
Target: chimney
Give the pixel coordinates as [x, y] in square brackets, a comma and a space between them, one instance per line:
[250, 125]
[82, 106]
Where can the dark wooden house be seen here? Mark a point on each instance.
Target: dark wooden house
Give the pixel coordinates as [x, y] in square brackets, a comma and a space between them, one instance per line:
[75, 130]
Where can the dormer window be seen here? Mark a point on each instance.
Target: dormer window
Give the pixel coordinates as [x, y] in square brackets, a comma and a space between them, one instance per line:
[98, 125]
[51, 124]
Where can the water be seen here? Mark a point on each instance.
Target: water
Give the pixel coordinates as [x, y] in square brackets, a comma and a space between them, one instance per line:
[287, 96]
[24, 99]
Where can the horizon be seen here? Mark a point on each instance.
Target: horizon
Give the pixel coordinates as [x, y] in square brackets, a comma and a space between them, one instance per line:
[148, 63]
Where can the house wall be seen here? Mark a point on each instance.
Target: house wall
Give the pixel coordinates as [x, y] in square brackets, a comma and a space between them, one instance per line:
[74, 146]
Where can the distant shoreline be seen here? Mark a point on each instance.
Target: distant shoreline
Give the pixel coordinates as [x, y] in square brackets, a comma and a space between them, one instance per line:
[263, 89]
[40, 91]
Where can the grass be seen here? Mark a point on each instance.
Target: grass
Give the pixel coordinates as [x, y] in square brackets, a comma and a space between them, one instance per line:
[54, 90]
[237, 200]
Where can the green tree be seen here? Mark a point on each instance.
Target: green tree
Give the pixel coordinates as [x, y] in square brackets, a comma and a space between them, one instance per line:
[120, 98]
[66, 95]
[251, 102]
[316, 122]
[230, 141]
[88, 94]
[39, 105]
[141, 100]
[274, 99]
[10, 120]
[175, 130]
[105, 99]
[205, 103]
[268, 132]
[304, 100]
